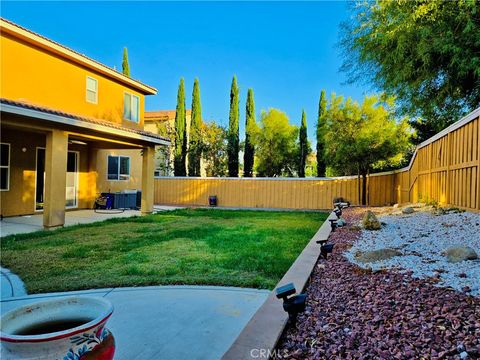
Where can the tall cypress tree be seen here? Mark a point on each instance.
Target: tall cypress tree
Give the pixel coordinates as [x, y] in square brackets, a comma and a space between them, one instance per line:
[321, 128]
[195, 143]
[179, 165]
[233, 138]
[248, 155]
[125, 65]
[303, 146]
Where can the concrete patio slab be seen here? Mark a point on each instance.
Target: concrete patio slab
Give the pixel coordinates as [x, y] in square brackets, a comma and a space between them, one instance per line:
[170, 322]
[11, 284]
[31, 223]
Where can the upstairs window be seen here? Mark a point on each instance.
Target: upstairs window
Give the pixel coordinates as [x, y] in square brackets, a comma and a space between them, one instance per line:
[4, 167]
[92, 90]
[118, 167]
[131, 107]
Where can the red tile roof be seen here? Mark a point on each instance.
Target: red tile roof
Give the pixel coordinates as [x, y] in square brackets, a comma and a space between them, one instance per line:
[162, 115]
[47, 110]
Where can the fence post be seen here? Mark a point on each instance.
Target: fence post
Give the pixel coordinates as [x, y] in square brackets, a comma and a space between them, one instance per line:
[430, 176]
[449, 160]
[478, 164]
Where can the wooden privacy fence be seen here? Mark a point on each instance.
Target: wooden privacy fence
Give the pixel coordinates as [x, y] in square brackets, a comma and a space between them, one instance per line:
[445, 168]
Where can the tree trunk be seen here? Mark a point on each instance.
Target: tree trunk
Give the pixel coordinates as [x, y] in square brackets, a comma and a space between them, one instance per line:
[359, 189]
[364, 188]
[359, 186]
[368, 187]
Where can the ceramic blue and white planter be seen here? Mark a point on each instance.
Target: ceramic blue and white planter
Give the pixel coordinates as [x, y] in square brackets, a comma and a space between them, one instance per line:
[70, 328]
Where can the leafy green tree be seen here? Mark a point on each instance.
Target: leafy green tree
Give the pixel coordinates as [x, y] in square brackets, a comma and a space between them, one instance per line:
[304, 147]
[311, 165]
[322, 108]
[233, 138]
[180, 156]
[195, 144]
[276, 148]
[426, 53]
[249, 152]
[163, 154]
[359, 136]
[125, 65]
[215, 149]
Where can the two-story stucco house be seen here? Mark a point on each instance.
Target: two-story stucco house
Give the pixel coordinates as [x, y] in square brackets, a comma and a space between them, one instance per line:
[69, 127]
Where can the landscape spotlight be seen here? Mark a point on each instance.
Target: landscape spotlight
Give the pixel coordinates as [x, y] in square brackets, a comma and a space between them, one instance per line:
[333, 224]
[326, 249]
[293, 305]
[338, 212]
[342, 205]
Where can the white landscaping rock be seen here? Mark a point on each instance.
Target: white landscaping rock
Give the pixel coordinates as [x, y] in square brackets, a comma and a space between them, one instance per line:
[422, 239]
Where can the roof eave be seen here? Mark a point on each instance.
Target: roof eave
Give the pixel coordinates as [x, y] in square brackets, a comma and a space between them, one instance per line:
[37, 114]
[67, 53]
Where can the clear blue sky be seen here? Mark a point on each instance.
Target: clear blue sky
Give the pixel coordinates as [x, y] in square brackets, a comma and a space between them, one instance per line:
[286, 52]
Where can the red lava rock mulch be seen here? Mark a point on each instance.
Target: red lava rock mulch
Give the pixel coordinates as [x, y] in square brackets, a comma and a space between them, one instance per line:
[354, 313]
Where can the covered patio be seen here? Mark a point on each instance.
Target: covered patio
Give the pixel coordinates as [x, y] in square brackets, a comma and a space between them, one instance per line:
[57, 161]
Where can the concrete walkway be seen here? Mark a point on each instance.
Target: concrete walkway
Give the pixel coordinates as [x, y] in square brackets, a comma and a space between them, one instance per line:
[31, 223]
[170, 322]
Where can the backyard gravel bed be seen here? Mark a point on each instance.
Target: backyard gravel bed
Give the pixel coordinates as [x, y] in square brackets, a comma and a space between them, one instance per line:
[357, 313]
[422, 238]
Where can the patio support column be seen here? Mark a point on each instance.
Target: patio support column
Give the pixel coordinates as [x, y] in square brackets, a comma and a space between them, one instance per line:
[92, 175]
[147, 179]
[55, 178]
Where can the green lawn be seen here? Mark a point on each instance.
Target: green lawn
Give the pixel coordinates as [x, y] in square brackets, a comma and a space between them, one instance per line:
[202, 246]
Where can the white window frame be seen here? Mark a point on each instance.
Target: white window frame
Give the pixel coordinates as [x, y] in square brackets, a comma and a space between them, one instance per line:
[87, 90]
[118, 168]
[7, 166]
[131, 107]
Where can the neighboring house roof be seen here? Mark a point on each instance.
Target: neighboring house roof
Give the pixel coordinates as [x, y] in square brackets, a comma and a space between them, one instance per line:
[59, 116]
[162, 115]
[72, 55]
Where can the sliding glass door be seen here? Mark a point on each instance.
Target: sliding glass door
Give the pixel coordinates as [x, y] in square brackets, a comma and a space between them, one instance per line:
[71, 190]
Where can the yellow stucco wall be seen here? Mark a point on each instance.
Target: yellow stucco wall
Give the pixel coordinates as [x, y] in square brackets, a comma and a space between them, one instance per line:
[32, 74]
[135, 181]
[39, 72]
[20, 198]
